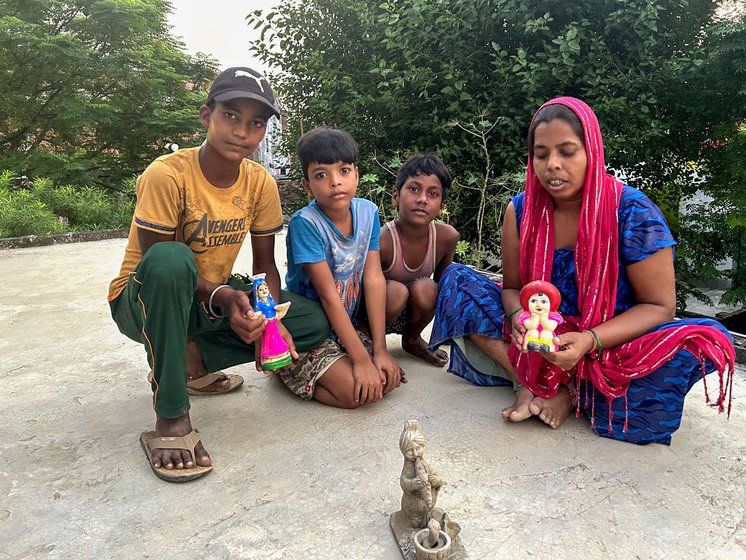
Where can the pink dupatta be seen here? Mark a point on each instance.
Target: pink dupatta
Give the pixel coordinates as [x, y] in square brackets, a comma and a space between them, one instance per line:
[597, 268]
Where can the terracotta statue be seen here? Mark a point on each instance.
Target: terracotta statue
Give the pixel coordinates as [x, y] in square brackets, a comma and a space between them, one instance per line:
[423, 531]
[418, 480]
[540, 301]
[274, 352]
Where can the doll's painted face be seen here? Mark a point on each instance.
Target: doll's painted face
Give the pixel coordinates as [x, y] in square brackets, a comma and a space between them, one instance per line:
[538, 304]
[262, 291]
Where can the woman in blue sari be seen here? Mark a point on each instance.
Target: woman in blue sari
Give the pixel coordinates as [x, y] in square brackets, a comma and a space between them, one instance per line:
[623, 362]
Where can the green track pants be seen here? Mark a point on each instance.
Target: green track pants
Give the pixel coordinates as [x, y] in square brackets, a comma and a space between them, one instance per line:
[159, 309]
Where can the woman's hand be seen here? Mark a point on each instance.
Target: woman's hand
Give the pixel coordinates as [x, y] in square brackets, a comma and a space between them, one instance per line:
[573, 346]
[518, 332]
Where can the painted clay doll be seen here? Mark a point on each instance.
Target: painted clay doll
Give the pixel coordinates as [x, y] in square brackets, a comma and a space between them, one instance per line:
[540, 301]
[274, 353]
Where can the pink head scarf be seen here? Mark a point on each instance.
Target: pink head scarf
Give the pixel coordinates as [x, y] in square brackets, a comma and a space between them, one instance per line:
[596, 270]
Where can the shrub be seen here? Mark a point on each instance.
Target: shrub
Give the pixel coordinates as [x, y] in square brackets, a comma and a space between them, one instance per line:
[85, 209]
[40, 208]
[22, 213]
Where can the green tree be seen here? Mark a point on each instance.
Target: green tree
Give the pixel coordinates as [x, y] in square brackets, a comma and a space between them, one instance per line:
[711, 124]
[90, 90]
[403, 75]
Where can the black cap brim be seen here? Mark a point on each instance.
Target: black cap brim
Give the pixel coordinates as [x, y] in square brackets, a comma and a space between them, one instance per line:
[243, 94]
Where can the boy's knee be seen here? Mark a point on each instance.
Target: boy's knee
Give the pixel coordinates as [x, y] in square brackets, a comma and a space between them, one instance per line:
[350, 403]
[395, 287]
[168, 261]
[396, 293]
[423, 293]
[346, 402]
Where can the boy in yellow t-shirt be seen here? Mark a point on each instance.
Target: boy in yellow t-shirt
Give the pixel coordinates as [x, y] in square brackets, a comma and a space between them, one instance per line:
[175, 293]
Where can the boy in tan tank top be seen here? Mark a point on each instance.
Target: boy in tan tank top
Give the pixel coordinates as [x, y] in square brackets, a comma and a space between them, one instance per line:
[415, 250]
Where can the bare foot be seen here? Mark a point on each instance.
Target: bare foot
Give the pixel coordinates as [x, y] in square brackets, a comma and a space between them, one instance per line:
[418, 347]
[552, 411]
[196, 368]
[177, 458]
[520, 409]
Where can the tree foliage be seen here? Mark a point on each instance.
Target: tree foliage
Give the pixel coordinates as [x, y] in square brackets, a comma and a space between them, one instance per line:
[403, 75]
[397, 72]
[713, 124]
[90, 90]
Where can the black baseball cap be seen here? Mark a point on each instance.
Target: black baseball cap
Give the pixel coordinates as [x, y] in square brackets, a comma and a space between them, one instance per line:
[241, 82]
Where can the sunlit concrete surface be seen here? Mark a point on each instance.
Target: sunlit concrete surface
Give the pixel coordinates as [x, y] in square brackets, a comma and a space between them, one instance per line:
[299, 480]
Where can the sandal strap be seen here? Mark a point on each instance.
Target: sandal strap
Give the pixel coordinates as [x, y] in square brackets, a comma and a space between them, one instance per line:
[204, 381]
[188, 442]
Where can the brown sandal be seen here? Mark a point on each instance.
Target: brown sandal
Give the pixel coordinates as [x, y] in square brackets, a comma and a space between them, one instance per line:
[195, 386]
[150, 442]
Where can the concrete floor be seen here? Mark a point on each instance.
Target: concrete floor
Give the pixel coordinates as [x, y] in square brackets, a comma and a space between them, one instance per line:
[300, 480]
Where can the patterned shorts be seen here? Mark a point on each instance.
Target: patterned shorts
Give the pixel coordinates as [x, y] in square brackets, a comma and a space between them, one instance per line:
[397, 327]
[302, 375]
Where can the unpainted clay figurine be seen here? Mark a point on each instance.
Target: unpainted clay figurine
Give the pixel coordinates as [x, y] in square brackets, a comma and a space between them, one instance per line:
[418, 480]
[423, 531]
[540, 301]
[274, 353]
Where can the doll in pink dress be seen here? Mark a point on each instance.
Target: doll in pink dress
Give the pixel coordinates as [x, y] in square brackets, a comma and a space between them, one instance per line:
[274, 353]
[540, 301]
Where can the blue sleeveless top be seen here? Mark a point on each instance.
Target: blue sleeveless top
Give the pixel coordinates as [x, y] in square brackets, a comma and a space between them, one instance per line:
[642, 231]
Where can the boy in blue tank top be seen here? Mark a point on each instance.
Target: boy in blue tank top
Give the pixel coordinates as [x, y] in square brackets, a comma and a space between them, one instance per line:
[333, 258]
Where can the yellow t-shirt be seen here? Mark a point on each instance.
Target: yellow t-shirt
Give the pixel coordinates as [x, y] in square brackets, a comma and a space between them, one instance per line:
[173, 197]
